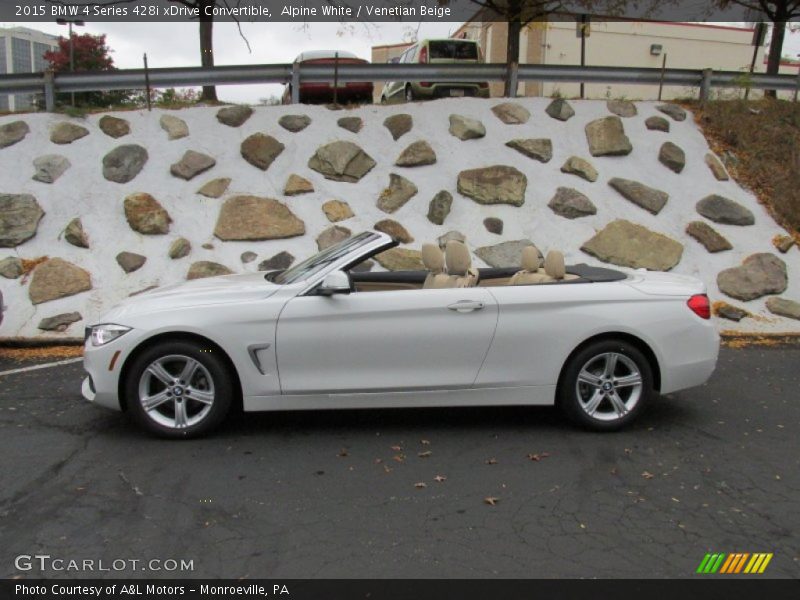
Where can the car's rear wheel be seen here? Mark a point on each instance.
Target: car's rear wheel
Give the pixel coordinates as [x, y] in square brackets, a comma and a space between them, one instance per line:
[606, 385]
[179, 389]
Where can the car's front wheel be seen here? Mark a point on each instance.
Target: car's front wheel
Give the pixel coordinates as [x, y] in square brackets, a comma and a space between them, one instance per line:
[606, 385]
[179, 389]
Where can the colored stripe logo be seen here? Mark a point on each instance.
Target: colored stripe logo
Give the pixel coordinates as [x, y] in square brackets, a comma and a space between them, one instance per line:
[734, 563]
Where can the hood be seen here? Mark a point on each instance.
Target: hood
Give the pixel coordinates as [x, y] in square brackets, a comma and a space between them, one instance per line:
[656, 283]
[197, 292]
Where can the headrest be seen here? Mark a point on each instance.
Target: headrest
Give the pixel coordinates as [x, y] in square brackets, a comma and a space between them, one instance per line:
[530, 259]
[554, 264]
[432, 258]
[457, 257]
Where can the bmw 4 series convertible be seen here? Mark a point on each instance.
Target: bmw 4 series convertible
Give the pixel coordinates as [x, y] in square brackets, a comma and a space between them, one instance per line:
[326, 334]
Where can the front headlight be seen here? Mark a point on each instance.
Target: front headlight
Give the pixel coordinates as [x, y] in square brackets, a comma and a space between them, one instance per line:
[107, 332]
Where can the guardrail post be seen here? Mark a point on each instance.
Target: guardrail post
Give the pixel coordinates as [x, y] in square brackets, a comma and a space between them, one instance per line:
[49, 91]
[705, 86]
[296, 83]
[513, 79]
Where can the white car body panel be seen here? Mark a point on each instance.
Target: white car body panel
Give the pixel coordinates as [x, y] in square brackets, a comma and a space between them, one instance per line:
[292, 350]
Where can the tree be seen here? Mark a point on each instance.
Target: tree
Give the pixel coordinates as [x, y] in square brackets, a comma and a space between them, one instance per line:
[90, 53]
[779, 12]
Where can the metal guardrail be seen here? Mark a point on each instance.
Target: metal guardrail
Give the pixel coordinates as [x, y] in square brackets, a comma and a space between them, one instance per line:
[294, 74]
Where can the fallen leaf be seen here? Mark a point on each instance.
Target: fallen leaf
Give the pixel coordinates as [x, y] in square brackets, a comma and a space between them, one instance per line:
[538, 457]
[674, 499]
[397, 448]
[440, 478]
[387, 469]
[647, 475]
[425, 442]
[491, 500]
[491, 461]
[420, 484]
[343, 452]
[378, 461]
[583, 526]
[425, 454]
[399, 458]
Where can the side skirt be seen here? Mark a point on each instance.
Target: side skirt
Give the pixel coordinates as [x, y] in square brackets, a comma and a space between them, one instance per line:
[539, 395]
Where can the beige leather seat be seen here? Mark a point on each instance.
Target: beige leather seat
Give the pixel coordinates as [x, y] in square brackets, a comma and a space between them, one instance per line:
[433, 259]
[530, 273]
[554, 265]
[459, 266]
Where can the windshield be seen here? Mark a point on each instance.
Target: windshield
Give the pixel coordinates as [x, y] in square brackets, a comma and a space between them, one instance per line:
[457, 50]
[319, 261]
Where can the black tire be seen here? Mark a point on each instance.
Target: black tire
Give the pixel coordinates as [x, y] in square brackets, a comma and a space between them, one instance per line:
[410, 97]
[576, 399]
[212, 377]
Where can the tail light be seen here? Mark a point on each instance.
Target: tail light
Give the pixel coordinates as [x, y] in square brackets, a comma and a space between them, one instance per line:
[425, 83]
[700, 306]
[423, 55]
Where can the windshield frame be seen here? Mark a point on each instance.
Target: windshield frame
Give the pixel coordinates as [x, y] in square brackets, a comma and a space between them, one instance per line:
[317, 263]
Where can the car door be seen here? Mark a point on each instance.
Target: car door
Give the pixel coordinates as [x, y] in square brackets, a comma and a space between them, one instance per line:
[384, 340]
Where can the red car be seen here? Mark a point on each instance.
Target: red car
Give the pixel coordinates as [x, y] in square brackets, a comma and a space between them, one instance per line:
[322, 92]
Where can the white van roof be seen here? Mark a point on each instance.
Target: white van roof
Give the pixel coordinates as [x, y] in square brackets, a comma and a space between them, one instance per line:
[317, 54]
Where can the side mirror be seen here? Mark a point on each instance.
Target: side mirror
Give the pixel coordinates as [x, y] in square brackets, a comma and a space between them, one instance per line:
[337, 282]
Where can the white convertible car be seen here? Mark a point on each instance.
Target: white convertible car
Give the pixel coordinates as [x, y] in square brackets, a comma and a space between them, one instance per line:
[325, 334]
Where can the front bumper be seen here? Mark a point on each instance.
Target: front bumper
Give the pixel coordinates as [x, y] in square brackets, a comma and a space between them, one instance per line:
[104, 365]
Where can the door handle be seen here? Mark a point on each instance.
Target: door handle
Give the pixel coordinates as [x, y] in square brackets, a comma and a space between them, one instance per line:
[465, 306]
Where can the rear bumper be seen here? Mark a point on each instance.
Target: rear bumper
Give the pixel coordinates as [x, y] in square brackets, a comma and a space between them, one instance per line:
[323, 92]
[447, 90]
[693, 361]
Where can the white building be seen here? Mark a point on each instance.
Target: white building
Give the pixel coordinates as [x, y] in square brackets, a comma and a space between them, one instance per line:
[22, 51]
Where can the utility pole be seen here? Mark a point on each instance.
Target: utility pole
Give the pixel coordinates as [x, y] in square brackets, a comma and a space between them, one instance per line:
[70, 23]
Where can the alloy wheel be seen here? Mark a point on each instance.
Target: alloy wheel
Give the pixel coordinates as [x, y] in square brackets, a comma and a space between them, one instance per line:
[609, 386]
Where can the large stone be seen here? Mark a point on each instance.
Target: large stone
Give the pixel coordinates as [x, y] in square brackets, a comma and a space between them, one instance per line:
[234, 116]
[607, 137]
[622, 108]
[50, 167]
[717, 169]
[294, 123]
[215, 188]
[337, 210]
[124, 163]
[672, 156]
[401, 259]
[650, 199]
[353, 124]
[498, 184]
[66, 132]
[759, 275]
[341, 161]
[655, 123]
[506, 254]
[296, 185]
[207, 268]
[332, 235]
[540, 149]
[260, 150]
[465, 128]
[75, 235]
[394, 229]
[783, 307]
[571, 204]
[19, 218]
[279, 262]
[728, 311]
[708, 236]
[13, 132]
[398, 125]
[439, 207]
[673, 110]
[511, 113]
[630, 245]
[115, 127]
[724, 210]
[580, 167]
[416, 155]
[248, 257]
[560, 109]
[56, 278]
[452, 235]
[192, 164]
[175, 127]
[254, 218]
[11, 267]
[146, 215]
[130, 261]
[493, 225]
[59, 322]
[399, 192]
[783, 243]
[179, 248]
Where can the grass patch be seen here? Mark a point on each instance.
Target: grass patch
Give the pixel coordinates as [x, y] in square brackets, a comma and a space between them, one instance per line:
[764, 138]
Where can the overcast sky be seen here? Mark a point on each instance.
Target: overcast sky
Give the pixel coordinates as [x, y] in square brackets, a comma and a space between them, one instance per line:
[176, 44]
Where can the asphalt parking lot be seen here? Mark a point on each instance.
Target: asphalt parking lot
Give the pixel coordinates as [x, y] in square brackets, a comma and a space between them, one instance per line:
[339, 494]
